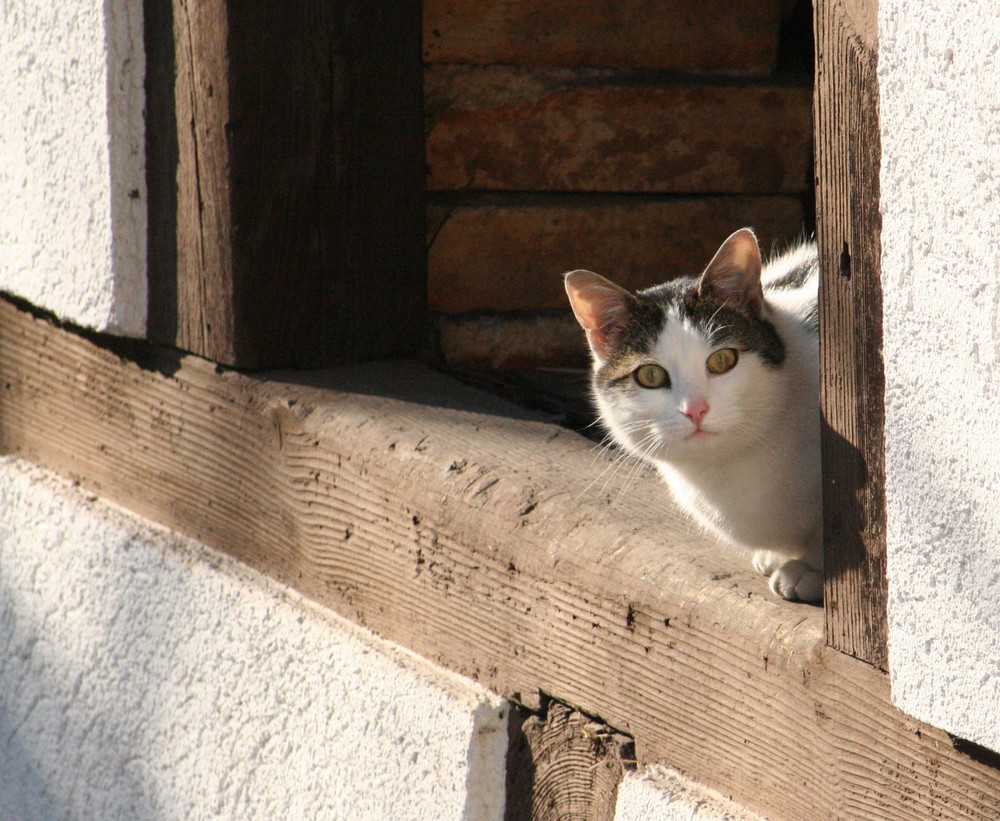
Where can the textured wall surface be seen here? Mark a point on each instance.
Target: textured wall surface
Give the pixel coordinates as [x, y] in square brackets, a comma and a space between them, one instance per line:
[940, 114]
[72, 160]
[146, 677]
[659, 794]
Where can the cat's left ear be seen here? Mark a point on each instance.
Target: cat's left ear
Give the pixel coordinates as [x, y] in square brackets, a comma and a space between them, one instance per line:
[733, 275]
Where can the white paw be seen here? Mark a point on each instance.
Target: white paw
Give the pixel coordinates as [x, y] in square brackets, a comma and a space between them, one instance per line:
[767, 561]
[795, 580]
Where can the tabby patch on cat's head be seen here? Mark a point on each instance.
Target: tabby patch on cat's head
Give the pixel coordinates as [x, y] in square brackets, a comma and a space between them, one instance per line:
[722, 321]
[726, 303]
[618, 324]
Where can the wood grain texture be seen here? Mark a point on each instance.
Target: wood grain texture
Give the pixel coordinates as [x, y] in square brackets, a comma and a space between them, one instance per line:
[462, 527]
[497, 254]
[286, 179]
[669, 35]
[848, 229]
[502, 128]
[203, 285]
[565, 766]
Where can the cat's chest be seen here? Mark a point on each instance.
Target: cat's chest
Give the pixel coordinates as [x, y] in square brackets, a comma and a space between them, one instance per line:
[747, 503]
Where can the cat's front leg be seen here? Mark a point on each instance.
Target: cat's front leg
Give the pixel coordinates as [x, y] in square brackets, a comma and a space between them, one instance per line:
[792, 579]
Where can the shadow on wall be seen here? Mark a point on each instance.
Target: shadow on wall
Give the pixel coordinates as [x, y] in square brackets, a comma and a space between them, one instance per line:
[146, 677]
[72, 746]
[24, 790]
[132, 686]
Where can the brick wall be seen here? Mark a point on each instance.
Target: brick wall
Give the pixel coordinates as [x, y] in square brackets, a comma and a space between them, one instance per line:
[628, 137]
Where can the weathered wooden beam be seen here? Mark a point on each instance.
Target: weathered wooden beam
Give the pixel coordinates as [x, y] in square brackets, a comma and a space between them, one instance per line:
[286, 179]
[503, 128]
[502, 254]
[721, 36]
[853, 385]
[463, 527]
[562, 765]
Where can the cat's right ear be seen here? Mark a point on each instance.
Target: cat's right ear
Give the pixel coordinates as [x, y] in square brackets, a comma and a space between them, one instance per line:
[600, 306]
[733, 275]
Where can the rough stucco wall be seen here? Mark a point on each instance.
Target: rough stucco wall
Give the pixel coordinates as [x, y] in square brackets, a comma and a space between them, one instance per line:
[939, 64]
[146, 677]
[72, 160]
[659, 794]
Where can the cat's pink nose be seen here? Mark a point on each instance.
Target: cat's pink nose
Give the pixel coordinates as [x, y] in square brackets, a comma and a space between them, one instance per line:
[695, 410]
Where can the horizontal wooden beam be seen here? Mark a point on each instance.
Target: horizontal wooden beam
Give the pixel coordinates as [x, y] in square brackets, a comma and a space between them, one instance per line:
[660, 34]
[502, 128]
[467, 529]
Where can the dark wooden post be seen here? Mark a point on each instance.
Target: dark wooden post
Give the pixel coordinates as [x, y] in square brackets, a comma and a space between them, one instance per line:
[848, 228]
[286, 179]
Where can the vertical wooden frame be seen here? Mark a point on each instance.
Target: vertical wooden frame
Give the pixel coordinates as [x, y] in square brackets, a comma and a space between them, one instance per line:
[286, 179]
[848, 228]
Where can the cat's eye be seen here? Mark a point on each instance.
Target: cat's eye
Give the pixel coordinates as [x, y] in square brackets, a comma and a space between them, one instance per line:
[721, 360]
[650, 376]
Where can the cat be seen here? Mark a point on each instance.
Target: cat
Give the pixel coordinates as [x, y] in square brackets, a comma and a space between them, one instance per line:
[714, 380]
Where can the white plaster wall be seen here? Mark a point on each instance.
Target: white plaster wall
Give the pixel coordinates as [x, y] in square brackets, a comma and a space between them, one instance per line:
[939, 79]
[72, 160]
[145, 677]
[659, 794]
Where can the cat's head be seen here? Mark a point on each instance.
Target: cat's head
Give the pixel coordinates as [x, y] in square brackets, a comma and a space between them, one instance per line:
[687, 369]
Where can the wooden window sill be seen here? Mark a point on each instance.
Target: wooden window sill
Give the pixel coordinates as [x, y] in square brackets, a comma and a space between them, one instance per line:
[462, 526]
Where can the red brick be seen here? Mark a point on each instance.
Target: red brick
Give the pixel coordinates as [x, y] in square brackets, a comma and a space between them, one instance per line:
[716, 36]
[506, 129]
[508, 257]
[497, 341]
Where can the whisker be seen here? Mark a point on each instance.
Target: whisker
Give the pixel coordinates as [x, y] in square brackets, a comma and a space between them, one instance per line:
[630, 478]
[623, 460]
[609, 441]
[761, 440]
[631, 427]
[642, 463]
[711, 319]
[643, 450]
[620, 458]
[589, 425]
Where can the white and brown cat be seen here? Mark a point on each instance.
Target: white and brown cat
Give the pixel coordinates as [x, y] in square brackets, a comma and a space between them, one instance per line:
[715, 381]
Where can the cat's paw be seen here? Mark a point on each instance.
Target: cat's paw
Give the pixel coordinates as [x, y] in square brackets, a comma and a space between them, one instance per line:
[767, 561]
[796, 581]
[791, 579]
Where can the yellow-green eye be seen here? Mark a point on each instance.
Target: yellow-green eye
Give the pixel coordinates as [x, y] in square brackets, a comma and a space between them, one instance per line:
[650, 376]
[721, 360]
